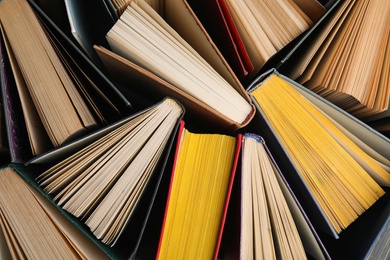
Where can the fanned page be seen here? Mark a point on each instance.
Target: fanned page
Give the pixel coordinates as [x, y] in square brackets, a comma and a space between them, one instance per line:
[33, 228]
[103, 182]
[268, 230]
[266, 26]
[59, 104]
[106, 96]
[343, 179]
[15, 133]
[143, 37]
[307, 60]
[39, 141]
[351, 66]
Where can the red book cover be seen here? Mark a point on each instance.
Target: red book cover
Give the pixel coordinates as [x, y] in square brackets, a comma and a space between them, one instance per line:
[235, 35]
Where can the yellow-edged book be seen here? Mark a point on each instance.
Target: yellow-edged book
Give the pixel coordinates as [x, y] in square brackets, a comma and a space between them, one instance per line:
[340, 172]
[199, 192]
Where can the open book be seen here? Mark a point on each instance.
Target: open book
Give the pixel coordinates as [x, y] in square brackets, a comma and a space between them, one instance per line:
[56, 100]
[148, 53]
[33, 228]
[264, 218]
[233, 26]
[346, 60]
[339, 171]
[104, 183]
[267, 26]
[45, 112]
[202, 176]
[265, 215]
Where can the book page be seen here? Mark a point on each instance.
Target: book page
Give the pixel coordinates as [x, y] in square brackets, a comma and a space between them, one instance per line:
[140, 39]
[313, 150]
[39, 140]
[59, 105]
[4, 248]
[268, 202]
[103, 182]
[267, 26]
[36, 236]
[201, 176]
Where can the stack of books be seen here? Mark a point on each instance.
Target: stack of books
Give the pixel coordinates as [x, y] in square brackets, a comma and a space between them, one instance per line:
[182, 129]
